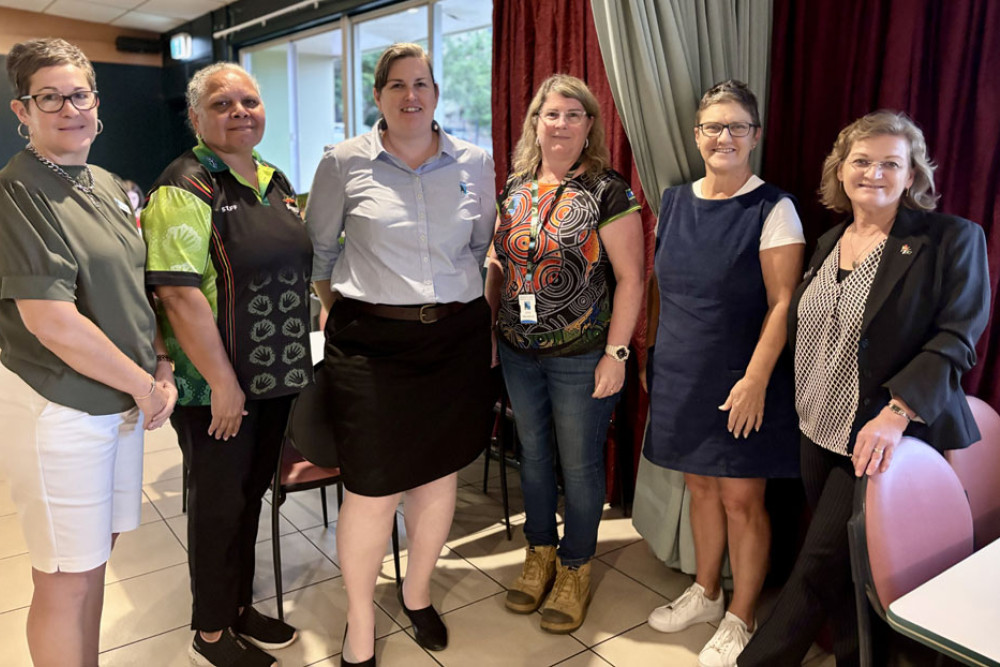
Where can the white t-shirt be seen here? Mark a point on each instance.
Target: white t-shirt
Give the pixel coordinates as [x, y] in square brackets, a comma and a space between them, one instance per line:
[782, 226]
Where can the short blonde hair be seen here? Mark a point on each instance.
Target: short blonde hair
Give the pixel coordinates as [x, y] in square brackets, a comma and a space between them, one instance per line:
[528, 155]
[920, 196]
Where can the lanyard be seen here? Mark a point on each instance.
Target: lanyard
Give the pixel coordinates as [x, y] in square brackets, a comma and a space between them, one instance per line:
[536, 224]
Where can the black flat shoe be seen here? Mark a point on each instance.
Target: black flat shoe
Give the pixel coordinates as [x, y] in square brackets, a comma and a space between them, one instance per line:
[428, 628]
[370, 662]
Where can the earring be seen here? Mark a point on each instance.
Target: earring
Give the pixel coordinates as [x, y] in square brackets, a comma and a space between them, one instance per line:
[586, 143]
[26, 134]
[100, 126]
[537, 142]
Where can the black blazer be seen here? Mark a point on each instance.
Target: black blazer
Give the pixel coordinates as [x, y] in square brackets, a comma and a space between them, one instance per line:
[929, 303]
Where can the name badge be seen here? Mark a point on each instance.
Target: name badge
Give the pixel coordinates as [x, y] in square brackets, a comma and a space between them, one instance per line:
[527, 304]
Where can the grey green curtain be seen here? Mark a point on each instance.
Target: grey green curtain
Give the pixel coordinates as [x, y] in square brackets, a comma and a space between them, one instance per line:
[661, 55]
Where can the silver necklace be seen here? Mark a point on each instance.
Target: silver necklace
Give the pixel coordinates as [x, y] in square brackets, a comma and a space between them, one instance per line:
[858, 258]
[84, 188]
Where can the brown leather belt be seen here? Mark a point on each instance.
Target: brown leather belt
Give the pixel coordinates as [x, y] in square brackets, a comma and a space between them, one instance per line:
[428, 313]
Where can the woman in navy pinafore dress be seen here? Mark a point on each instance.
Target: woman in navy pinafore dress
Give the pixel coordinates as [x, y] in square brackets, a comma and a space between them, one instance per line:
[728, 256]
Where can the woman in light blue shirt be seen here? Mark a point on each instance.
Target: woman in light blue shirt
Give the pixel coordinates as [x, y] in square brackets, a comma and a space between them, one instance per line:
[408, 336]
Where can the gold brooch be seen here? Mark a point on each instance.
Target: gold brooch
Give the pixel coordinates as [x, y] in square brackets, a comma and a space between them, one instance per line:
[906, 250]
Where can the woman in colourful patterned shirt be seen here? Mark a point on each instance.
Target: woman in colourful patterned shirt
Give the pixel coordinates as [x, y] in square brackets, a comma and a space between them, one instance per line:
[566, 288]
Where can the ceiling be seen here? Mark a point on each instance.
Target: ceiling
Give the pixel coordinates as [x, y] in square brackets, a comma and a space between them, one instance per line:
[153, 15]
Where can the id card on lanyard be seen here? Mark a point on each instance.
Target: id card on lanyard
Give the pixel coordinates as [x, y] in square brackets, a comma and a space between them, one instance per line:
[526, 299]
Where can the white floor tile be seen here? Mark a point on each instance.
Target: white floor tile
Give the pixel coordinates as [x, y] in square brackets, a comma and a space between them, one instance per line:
[645, 646]
[165, 496]
[15, 582]
[6, 503]
[145, 606]
[149, 548]
[319, 612]
[618, 604]
[15, 641]
[169, 649]
[162, 465]
[162, 438]
[485, 634]
[11, 537]
[302, 564]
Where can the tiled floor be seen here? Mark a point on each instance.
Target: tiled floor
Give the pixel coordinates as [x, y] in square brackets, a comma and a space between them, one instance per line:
[148, 602]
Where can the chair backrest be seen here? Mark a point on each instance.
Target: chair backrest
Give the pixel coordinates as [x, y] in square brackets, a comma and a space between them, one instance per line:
[311, 421]
[978, 468]
[917, 521]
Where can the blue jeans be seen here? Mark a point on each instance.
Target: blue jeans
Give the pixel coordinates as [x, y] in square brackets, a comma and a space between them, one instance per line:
[547, 392]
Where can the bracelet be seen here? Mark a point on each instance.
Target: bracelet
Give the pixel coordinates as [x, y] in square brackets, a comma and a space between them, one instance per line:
[152, 388]
[896, 409]
[167, 359]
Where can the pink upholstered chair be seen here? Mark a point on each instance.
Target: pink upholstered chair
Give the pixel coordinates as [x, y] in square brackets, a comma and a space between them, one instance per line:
[978, 468]
[910, 524]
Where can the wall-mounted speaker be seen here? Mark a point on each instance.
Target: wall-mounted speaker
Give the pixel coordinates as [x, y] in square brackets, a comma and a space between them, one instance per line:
[138, 45]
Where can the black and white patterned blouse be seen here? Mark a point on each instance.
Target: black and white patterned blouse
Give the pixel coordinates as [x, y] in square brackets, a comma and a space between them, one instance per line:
[826, 350]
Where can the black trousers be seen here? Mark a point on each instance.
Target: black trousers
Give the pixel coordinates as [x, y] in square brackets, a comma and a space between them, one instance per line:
[820, 586]
[226, 484]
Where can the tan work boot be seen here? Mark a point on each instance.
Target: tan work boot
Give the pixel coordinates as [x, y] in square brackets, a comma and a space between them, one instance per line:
[566, 606]
[536, 579]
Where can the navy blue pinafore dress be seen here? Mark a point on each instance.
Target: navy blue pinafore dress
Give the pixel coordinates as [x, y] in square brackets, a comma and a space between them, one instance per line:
[712, 307]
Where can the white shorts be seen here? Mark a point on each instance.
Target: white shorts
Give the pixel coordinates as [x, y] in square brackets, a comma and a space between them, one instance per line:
[75, 478]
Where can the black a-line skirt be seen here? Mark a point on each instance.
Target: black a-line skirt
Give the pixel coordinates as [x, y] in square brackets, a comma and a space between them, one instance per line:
[411, 402]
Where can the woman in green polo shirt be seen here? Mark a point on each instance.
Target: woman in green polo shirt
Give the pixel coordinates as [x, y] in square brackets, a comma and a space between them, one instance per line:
[229, 258]
[79, 378]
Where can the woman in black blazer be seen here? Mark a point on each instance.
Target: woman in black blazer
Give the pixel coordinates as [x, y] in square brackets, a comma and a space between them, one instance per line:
[883, 326]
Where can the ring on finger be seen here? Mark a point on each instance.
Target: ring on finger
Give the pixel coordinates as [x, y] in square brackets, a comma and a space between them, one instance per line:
[879, 451]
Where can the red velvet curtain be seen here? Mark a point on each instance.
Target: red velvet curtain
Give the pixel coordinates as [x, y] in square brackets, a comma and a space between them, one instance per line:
[835, 60]
[532, 40]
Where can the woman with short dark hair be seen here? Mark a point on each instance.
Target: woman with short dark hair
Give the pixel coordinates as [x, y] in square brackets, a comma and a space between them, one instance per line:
[407, 338]
[79, 378]
[728, 256]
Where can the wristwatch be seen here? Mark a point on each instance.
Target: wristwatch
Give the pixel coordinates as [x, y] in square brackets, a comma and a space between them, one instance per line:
[617, 352]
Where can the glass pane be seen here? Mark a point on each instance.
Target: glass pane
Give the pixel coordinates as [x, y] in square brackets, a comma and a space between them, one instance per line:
[466, 41]
[320, 108]
[371, 39]
[270, 67]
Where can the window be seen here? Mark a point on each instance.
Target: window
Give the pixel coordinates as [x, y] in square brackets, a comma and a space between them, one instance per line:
[317, 86]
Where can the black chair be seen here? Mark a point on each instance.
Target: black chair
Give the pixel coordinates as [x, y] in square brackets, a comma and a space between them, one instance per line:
[309, 460]
[503, 440]
[294, 474]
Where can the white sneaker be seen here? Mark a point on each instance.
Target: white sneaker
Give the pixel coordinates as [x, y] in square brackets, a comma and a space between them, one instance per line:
[726, 644]
[691, 607]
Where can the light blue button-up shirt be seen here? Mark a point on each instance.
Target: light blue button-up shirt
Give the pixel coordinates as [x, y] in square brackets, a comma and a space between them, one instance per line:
[411, 236]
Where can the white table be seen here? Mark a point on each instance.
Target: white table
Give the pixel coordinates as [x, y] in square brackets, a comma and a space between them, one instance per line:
[958, 611]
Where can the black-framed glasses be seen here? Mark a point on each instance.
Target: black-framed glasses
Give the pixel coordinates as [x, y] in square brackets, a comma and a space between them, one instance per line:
[83, 100]
[735, 129]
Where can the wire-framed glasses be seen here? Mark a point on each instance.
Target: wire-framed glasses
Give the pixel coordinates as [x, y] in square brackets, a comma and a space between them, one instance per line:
[574, 117]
